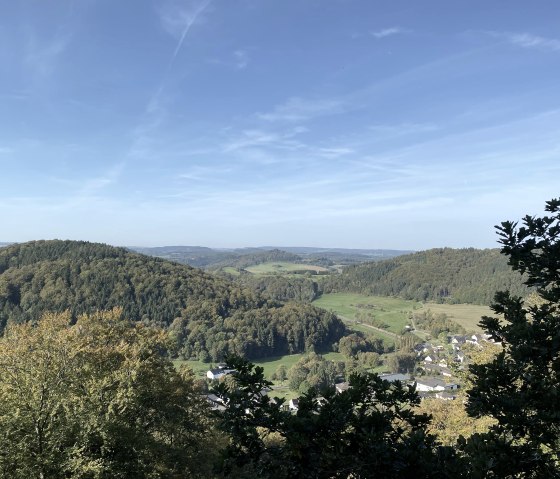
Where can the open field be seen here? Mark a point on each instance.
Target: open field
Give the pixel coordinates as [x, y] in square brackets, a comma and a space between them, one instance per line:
[282, 267]
[270, 365]
[395, 311]
[231, 270]
[392, 311]
[198, 367]
[467, 315]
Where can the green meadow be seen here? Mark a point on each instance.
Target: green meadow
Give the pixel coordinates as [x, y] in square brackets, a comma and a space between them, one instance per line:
[395, 311]
[392, 311]
[231, 270]
[282, 267]
[467, 315]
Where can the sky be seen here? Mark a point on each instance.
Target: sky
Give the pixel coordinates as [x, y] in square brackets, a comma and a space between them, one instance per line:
[230, 123]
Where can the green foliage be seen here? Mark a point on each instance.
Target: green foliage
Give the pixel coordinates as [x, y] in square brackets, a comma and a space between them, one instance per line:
[446, 275]
[314, 371]
[401, 362]
[97, 400]
[281, 373]
[520, 387]
[368, 431]
[354, 343]
[282, 288]
[209, 317]
[436, 323]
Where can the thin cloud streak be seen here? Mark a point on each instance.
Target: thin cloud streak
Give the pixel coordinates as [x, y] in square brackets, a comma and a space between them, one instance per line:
[387, 32]
[528, 40]
[298, 109]
[179, 21]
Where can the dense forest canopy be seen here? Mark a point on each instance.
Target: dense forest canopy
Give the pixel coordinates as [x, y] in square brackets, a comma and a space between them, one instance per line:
[210, 316]
[445, 275]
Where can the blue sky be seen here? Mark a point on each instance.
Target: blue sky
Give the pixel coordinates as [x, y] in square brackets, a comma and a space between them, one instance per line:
[225, 123]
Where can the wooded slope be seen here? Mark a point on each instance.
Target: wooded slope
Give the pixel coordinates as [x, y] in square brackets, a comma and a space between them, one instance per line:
[452, 275]
[209, 316]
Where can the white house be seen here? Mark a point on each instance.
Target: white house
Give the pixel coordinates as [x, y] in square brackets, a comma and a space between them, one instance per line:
[218, 373]
[341, 387]
[293, 404]
[460, 357]
[430, 384]
[431, 358]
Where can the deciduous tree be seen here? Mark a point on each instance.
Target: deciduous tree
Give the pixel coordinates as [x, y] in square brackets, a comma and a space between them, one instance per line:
[96, 400]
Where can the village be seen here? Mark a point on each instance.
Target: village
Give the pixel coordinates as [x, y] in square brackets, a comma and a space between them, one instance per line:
[437, 373]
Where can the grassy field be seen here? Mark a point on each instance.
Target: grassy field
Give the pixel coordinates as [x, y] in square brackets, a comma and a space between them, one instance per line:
[231, 270]
[395, 311]
[270, 365]
[392, 311]
[282, 267]
[467, 315]
[198, 367]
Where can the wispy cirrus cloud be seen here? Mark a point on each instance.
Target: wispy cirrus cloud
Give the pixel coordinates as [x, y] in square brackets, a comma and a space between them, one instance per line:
[387, 32]
[258, 138]
[178, 18]
[199, 173]
[238, 59]
[402, 129]
[42, 56]
[528, 40]
[241, 59]
[299, 109]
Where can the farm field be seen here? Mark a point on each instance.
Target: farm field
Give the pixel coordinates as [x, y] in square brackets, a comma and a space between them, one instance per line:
[282, 267]
[392, 311]
[467, 315]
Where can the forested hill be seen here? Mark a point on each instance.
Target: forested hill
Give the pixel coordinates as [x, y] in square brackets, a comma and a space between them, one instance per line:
[209, 316]
[451, 275]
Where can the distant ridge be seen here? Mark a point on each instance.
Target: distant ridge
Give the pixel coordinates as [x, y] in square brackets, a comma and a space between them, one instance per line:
[204, 257]
[386, 253]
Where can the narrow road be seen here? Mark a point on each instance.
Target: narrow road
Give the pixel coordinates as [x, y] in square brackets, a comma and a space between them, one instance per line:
[353, 321]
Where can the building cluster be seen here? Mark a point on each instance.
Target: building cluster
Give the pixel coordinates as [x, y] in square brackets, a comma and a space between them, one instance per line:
[436, 362]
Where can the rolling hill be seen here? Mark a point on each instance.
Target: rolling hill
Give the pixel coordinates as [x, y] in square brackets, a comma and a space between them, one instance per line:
[443, 275]
[209, 317]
